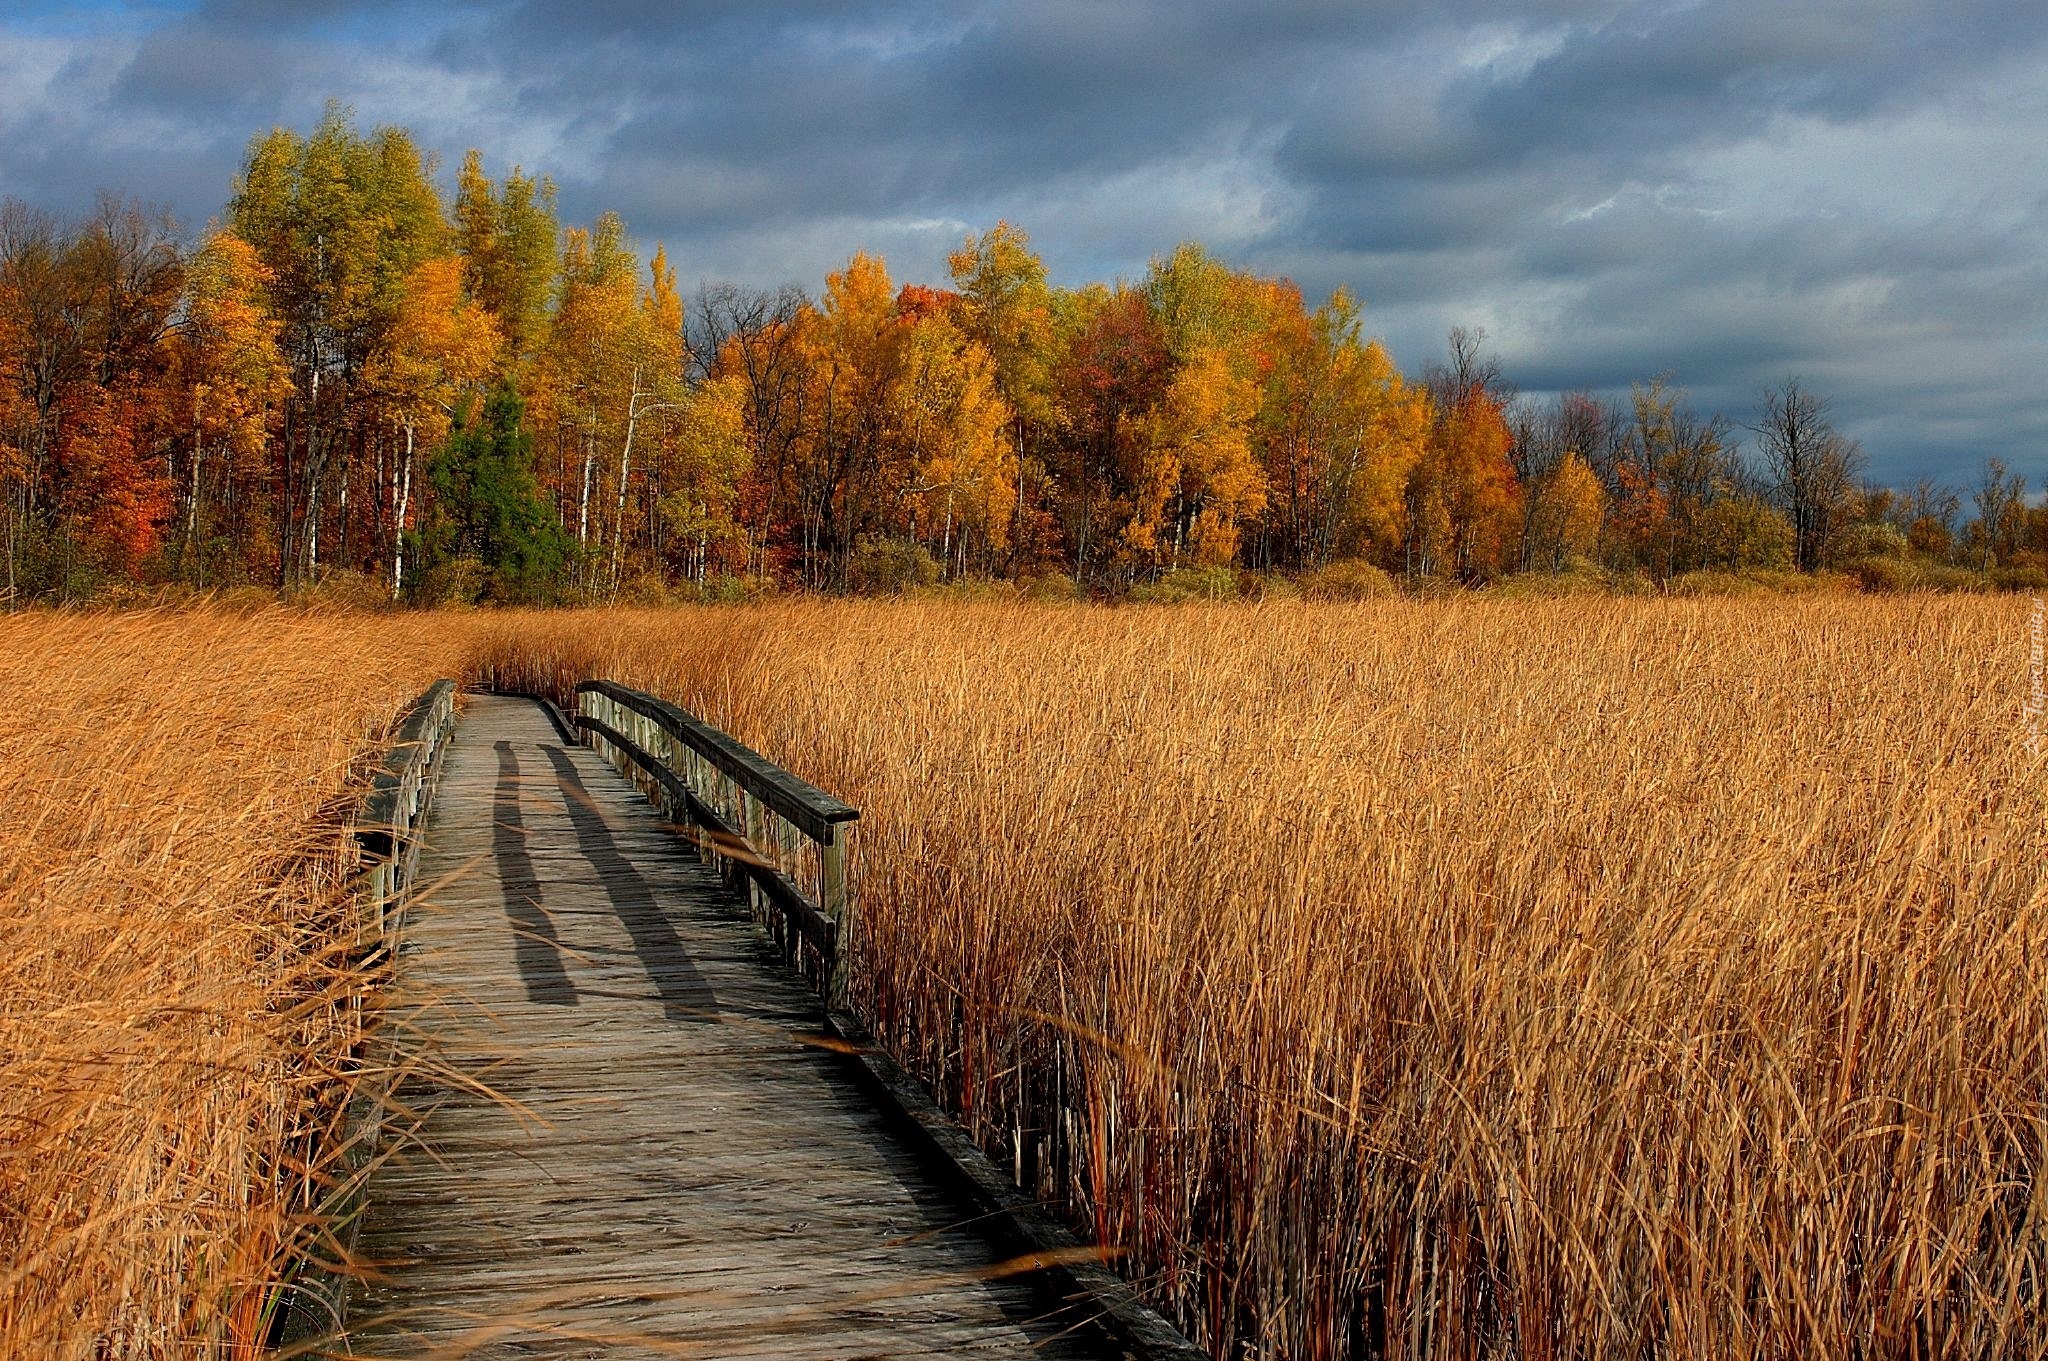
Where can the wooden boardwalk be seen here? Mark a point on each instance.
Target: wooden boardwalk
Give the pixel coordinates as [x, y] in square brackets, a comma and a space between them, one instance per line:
[632, 1142]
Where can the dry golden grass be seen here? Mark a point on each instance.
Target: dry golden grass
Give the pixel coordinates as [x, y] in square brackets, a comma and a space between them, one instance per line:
[1539, 979]
[1459, 979]
[174, 1012]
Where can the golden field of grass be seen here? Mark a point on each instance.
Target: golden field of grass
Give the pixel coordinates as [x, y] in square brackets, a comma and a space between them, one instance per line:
[174, 1007]
[1452, 979]
[1583, 978]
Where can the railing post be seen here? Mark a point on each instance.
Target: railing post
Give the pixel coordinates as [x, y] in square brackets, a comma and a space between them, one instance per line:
[750, 827]
[837, 902]
[709, 797]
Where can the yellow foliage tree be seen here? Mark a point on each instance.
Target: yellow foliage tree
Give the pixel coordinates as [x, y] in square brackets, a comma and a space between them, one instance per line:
[1199, 480]
[602, 368]
[441, 346]
[233, 376]
[1569, 507]
[708, 457]
[850, 476]
[952, 426]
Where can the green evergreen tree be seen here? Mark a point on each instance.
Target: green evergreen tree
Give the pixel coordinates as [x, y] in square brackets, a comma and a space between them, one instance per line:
[489, 532]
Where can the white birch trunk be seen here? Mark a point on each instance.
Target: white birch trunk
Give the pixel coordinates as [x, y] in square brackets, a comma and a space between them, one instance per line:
[404, 489]
[625, 465]
[583, 502]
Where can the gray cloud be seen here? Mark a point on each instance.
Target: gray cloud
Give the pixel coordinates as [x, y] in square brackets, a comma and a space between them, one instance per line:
[1729, 190]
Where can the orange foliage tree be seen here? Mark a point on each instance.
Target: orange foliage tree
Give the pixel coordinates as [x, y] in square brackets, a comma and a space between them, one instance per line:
[232, 381]
[1340, 432]
[1463, 501]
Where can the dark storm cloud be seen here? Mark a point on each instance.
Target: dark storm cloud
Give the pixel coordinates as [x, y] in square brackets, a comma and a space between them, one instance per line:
[1709, 71]
[1731, 190]
[204, 74]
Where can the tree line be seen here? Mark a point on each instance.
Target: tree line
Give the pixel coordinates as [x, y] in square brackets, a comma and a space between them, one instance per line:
[352, 375]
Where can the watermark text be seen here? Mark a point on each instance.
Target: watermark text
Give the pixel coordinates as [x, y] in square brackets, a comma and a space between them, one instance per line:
[2037, 693]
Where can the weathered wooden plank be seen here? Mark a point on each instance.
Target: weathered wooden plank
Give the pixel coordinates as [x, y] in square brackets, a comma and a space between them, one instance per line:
[673, 1158]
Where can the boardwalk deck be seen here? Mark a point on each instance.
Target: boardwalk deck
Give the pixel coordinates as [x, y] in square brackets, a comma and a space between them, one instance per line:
[668, 1163]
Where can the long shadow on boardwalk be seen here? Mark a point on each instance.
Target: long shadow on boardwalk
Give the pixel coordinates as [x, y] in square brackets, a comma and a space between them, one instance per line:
[685, 996]
[535, 947]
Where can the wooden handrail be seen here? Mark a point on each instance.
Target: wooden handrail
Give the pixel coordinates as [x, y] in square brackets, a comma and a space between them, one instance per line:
[812, 810]
[751, 813]
[388, 818]
[805, 915]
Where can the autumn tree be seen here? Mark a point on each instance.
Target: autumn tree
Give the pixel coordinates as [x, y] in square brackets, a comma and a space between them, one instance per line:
[1110, 375]
[1930, 512]
[232, 381]
[14, 406]
[43, 358]
[90, 308]
[1741, 530]
[1463, 501]
[508, 239]
[849, 473]
[1999, 530]
[440, 349]
[952, 426]
[1339, 431]
[1198, 304]
[1703, 467]
[698, 499]
[755, 340]
[1568, 506]
[594, 377]
[656, 405]
[1196, 479]
[1006, 306]
[342, 222]
[1192, 474]
[1545, 434]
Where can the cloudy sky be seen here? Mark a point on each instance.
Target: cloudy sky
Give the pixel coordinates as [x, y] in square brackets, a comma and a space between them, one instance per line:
[1731, 191]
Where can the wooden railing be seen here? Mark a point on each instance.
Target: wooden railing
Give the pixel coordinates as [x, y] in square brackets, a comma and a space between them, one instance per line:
[784, 838]
[766, 826]
[388, 820]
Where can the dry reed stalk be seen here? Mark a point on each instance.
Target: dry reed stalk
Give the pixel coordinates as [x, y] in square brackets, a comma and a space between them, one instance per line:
[1458, 979]
[176, 1017]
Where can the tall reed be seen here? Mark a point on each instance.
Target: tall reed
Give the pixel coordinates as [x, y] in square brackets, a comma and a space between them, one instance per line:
[176, 1014]
[1455, 979]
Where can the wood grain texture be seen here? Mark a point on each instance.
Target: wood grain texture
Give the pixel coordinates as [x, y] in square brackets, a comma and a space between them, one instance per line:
[634, 1137]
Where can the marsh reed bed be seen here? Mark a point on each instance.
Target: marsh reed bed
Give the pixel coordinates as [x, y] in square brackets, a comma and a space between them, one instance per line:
[1427, 979]
[177, 1013]
[1450, 979]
